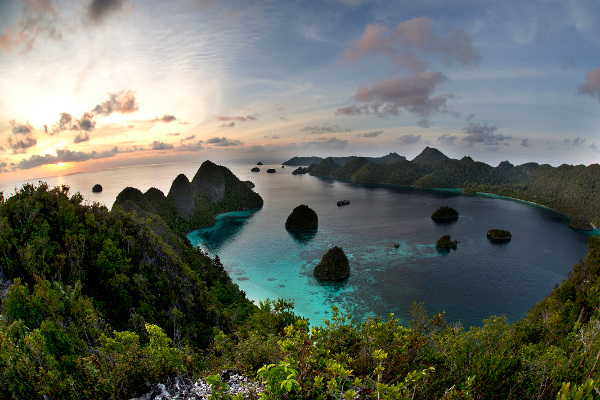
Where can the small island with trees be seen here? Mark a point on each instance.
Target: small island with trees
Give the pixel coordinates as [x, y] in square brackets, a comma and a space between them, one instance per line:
[302, 217]
[499, 235]
[97, 188]
[445, 213]
[271, 171]
[255, 169]
[334, 266]
[446, 242]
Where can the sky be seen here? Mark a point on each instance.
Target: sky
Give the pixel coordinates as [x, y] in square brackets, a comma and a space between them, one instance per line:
[94, 84]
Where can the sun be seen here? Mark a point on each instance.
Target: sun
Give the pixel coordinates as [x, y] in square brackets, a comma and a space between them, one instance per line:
[60, 164]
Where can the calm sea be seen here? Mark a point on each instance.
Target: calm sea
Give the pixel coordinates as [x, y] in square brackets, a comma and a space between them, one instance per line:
[477, 280]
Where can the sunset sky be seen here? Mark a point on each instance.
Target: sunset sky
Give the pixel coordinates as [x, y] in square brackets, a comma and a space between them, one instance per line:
[94, 84]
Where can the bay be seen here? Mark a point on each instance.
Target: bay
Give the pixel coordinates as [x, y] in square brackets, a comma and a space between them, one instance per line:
[473, 282]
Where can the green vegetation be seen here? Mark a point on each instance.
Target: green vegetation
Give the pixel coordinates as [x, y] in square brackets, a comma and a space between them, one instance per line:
[499, 234]
[334, 265]
[445, 212]
[302, 217]
[97, 188]
[446, 242]
[573, 190]
[101, 302]
[581, 222]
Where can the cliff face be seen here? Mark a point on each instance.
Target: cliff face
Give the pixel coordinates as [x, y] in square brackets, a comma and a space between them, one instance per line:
[192, 205]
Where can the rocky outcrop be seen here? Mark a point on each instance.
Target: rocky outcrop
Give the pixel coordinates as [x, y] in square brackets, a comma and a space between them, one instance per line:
[334, 266]
[271, 171]
[182, 195]
[259, 163]
[302, 217]
[250, 184]
[499, 235]
[255, 169]
[97, 188]
[446, 242]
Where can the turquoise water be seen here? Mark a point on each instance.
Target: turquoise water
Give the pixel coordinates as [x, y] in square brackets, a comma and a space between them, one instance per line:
[478, 279]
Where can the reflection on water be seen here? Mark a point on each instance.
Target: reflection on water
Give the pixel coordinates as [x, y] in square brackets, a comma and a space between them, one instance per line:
[224, 230]
[302, 236]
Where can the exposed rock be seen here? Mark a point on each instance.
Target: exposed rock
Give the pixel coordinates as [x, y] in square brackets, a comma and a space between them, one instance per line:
[499, 235]
[97, 188]
[210, 180]
[255, 169]
[445, 213]
[259, 163]
[250, 184]
[283, 166]
[396, 245]
[271, 171]
[334, 266]
[302, 217]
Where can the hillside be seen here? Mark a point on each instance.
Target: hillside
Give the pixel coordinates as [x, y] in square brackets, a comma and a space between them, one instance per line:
[299, 161]
[192, 205]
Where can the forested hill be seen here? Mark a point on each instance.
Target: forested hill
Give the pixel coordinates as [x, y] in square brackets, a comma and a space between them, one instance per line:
[191, 205]
[298, 161]
[573, 190]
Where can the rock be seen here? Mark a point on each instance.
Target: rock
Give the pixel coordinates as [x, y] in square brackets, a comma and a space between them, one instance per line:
[396, 245]
[250, 184]
[446, 242]
[444, 213]
[499, 235]
[271, 171]
[334, 266]
[302, 217]
[283, 166]
[97, 188]
[255, 169]
[259, 163]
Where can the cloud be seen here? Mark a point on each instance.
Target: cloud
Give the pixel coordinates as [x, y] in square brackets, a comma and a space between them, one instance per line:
[325, 128]
[173, 134]
[85, 123]
[525, 142]
[595, 147]
[62, 155]
[165, 118]
[38, 21]
[81, 137]
[446, 139]
[424, 123]
[324, 143]
[485, 134]
[20, 128]
[591, 87]
[279, 107]
[575, 142]
[190, 146]
[413, 94]
[272, 137]
[227, 125]
[223, 142]
[470, 117]
[370, 134]
[98, 9]
[408, 139]
[409, 38]
[239, 118]
[122, 102]
[160, 145]
[192, 137]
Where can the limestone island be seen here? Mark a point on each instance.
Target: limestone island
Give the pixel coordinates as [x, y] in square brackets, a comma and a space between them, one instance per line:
[300, 171]
[259, 163]
[302, 217]
[499, 235]
[334, 266]
[445, 213]
[250, 184]
[255, 169]
[446, 242]
[271, 170]
[581, 223]
[97, 188]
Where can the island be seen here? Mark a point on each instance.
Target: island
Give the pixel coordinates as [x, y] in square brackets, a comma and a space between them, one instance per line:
[97, 188]
[445, 213]
[271, 170]
[300, 171]
[499, 235]
[446, 242]
[302, 217]
[259, 163]
[334, 265]
[255, 169]
[250, 184]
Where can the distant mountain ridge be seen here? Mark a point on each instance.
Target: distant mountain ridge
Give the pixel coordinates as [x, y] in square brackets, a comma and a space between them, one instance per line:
[573, 190]
[298, 161]
[192, 204]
